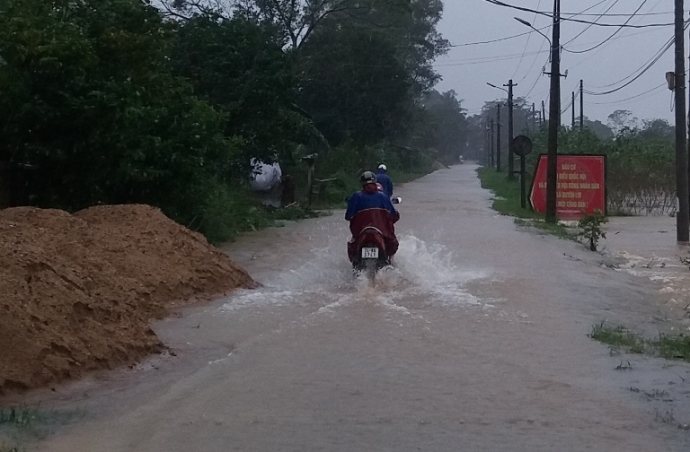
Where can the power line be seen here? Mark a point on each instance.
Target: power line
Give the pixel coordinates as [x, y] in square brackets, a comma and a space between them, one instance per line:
[570, 104]
[526, 45]
[646, 66]
[485, 60]
[493, 59]
[613, 34]
[642, 70]
[629, 98]
[492, 41]
[590, 26]
[571, 19]
[625, 15]
[625, 35]
[630, 82]
[476, 43]
[541, 46]
[614, 39]
[536, 81]
[542, 42]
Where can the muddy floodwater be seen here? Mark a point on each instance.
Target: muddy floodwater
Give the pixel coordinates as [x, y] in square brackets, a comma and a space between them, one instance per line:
[476, 341]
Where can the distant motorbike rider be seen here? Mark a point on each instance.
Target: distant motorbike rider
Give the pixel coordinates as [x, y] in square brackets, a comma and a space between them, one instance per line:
[385, 181]
[371, 208]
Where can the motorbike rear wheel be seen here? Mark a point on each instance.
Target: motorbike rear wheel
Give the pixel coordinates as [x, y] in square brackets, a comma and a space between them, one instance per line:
[370, 268]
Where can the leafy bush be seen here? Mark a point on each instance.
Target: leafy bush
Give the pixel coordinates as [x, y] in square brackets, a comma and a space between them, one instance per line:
[591, 229]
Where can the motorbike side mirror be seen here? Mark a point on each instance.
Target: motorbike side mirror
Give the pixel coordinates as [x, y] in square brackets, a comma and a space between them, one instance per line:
[397, 200]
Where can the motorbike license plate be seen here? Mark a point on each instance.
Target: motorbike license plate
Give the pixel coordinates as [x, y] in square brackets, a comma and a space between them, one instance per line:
[370, 253]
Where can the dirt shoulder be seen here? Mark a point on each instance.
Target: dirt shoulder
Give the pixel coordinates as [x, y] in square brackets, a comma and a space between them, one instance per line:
[78, 292]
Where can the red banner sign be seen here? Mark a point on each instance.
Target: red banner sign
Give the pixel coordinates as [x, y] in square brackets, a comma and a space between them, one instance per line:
[581, 186]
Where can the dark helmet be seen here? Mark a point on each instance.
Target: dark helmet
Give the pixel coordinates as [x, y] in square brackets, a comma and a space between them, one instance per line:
[367, 177]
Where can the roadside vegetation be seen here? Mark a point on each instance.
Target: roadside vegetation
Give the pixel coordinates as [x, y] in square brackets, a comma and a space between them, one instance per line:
[640, 154]
[640, 164]
[639, 157]
[20, 425]
[166, 103]
[507, 202]
[591, 229]
[665, 346]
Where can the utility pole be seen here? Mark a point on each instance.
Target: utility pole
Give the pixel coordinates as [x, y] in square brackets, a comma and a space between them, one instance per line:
[582, 107]
[486, 145]
[498, 138]
[682, 216]
[554, 116]
[534, 118]
[543, 111]
[573, 108]
[511, 156]
[491, 142]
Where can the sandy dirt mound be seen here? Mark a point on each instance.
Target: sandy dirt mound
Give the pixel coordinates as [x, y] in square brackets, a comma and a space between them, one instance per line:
[77, 292]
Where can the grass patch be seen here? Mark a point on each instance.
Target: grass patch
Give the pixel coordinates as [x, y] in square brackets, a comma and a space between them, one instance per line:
[18, 423]
[674, 347]
[19, 416]
[294, 212]
[507, 202]
[507, 199]
[5, 448]
[669, 347]
[229, 216]
[618, 336]
[22, 426]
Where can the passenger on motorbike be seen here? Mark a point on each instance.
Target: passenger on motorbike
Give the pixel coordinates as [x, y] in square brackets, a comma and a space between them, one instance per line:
[385, 181]
[371, 208]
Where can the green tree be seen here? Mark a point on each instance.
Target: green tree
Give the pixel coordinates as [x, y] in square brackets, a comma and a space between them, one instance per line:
[597, 127]
[620, 120]
[445, 124]
[92, 114]
[240, 67]
[353, 85]
[657, 129]
[364, 73]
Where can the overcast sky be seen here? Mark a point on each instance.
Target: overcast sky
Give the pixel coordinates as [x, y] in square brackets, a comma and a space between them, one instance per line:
[466, 69]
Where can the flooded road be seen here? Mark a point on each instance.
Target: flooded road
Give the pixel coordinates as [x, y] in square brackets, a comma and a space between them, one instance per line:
[477, 341]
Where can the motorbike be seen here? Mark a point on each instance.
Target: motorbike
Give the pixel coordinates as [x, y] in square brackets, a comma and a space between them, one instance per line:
[367, 252]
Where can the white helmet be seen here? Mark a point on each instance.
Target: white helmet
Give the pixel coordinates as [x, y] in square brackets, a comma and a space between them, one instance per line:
[383, 167]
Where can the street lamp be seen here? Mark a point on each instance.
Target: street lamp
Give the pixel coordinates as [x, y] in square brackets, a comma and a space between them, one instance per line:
[494, 86]
[524, 22]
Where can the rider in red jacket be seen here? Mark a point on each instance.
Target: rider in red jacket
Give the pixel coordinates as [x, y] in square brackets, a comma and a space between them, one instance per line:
[372, 208]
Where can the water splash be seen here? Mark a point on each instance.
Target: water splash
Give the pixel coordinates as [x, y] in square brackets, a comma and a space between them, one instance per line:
[422, 273]
[430, 269]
